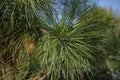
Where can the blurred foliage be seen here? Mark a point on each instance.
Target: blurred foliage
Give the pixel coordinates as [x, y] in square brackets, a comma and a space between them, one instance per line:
[58, 40]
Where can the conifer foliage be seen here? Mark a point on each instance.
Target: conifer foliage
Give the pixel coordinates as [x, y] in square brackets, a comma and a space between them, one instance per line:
[50, 39]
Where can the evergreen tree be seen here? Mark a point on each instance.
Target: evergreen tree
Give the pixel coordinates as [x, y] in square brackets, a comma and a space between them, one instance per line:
[53, 39]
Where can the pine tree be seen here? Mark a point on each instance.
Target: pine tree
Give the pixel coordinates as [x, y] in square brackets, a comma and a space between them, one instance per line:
[49, 39]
